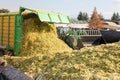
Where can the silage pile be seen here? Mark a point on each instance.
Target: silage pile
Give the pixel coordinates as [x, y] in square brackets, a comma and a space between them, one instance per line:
[90, 63]
[43, 53]
[40, 37]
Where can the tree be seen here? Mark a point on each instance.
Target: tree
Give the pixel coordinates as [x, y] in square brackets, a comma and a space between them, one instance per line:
[115, 17]
[4, 11]
[85, 16]
[82, 16]
[95, 21]
[101, 16]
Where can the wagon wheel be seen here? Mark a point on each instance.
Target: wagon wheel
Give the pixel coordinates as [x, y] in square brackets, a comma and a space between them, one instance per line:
[10, 52]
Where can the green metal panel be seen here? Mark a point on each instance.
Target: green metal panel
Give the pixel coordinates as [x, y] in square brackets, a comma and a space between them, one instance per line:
[18, 34]
[64, 19]
[54, 18]
[48, 16]
[43, 16]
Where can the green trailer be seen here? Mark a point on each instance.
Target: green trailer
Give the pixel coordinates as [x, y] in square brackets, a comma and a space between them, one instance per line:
[11, 27]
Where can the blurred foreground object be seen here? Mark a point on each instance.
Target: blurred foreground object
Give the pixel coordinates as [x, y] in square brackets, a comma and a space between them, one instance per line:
[7, 72]
[3, 62]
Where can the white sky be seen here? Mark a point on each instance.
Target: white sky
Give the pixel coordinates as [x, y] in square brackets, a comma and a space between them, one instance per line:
[68, 7]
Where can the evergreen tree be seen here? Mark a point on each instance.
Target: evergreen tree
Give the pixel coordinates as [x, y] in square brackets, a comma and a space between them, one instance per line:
[83, 16]
[95, 21]
[115, 17]
[80, 16]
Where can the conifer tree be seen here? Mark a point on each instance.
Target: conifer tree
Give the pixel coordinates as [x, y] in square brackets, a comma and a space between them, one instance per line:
[83, 16]
[115, 17]
[95, 21]
[80, 16]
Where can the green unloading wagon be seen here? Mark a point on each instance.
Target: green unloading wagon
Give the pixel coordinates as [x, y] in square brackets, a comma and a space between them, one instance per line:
[10, 31]
[11, 26]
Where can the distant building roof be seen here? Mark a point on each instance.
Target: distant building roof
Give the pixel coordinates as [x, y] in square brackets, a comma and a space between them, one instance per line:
[78, 25]
[61, 25]
[111, 25]
[72, 25]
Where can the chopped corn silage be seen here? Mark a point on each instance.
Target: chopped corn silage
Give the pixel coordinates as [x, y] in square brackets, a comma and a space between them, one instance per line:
[40, 37]
[43, 53]
[90, 63]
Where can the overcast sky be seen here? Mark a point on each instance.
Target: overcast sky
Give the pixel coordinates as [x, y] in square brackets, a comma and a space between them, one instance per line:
[68, 7]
